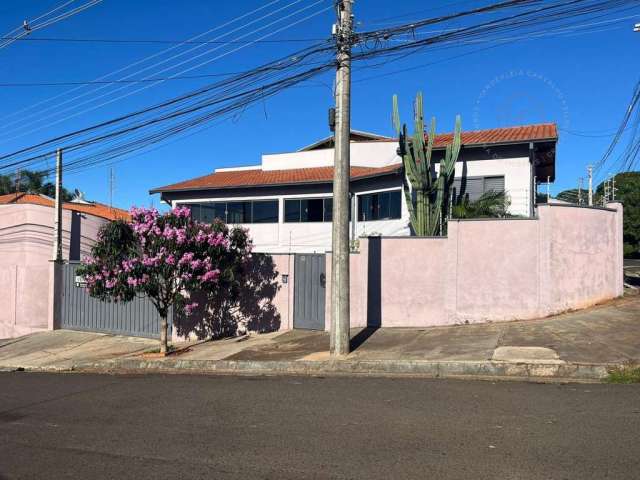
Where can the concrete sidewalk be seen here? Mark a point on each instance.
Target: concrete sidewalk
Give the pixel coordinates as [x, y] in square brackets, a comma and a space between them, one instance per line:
[579, 345]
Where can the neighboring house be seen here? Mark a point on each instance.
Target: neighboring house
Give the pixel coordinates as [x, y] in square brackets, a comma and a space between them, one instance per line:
[286, 200]
[26, 250]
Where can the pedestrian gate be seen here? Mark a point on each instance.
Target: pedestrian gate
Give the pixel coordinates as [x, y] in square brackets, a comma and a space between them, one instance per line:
[81, 312]
[309, 291]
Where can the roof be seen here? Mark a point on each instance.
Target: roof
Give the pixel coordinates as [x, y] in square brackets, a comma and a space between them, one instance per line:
[543, 132]
[356, 136]
[504, 135]
[262, 178]
[95, 209]
[500, 136]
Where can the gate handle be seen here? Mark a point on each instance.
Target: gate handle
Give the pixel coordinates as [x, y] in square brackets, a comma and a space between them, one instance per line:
[323, 280]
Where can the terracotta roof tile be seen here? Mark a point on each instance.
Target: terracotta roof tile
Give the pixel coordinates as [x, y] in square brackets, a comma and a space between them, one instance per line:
[257, 177]
[96, 209]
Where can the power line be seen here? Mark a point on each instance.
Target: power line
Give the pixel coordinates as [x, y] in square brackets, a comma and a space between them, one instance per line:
[38, 23]
[109, 95]
[70, 99]
[139, 130]
[128, 41]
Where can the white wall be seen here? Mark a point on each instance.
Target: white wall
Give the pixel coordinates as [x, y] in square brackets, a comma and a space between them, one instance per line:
[517, 176]
[363, 154]
[316, 237]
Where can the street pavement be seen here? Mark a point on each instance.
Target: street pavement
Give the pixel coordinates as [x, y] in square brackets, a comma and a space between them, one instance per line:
[70, 426]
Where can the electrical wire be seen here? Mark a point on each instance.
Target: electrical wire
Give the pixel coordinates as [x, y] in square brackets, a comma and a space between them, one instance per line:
[70, 99]
[33, 25]
[41, 119]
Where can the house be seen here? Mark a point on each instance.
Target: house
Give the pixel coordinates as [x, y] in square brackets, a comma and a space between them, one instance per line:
[26, 250]
[286, 200]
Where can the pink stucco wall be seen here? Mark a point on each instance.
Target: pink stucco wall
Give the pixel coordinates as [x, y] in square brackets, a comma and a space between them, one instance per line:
[493, 270]
[26, 273]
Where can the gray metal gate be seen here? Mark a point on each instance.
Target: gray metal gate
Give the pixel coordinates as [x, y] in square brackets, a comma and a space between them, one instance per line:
[137, 318]
[309, 291]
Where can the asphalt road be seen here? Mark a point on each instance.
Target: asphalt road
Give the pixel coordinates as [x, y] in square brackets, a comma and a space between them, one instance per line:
[181, 427]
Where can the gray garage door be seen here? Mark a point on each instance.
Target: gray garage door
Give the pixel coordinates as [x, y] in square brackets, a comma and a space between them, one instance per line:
[309, 291]
[81, 312]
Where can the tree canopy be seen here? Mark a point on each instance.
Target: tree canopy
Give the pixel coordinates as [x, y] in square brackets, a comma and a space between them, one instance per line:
[31, 182]
[166, 257]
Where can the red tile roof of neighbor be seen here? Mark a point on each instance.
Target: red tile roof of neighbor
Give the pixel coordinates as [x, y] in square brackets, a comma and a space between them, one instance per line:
[258, 177]
[95, 209]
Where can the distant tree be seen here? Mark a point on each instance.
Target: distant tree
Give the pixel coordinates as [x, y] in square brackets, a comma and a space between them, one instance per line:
[628, 192]
[165, 257]
[31, 182]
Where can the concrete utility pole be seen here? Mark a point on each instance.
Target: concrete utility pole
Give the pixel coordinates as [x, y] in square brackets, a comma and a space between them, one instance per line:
[57, 239]
[340, 295]
[580, 191]
[590, 173]
[112, 180]
[613, 189]
[548, 190]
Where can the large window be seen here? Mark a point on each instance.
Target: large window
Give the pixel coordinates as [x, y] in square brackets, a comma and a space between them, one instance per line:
[250, 211]
[379, 206]
[308, 210]
[475, 187]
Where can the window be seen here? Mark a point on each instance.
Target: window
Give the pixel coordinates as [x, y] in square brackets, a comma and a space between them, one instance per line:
[379, 206]
[475, 187]
[308, 210]
[257, 211]
[265, 212]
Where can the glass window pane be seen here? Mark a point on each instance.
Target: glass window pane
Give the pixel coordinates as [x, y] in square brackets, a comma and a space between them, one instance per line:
[383, 205]
[328, 209]
[207, 212]
[292, 210]
[379, 206]
[311, 210]
[265, 211]
[238, 212]
[395, 204]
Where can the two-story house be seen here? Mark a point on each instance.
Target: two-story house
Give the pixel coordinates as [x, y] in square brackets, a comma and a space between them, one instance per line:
[286, 200]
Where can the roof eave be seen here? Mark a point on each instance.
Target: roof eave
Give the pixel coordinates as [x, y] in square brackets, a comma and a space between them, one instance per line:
[288, 184]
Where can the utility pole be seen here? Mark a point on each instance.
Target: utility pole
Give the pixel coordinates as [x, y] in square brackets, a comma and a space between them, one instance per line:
[613, 189]
[111, 187]
[580, 190]
[340, 295]
[57, 239]
[548, 190]
[590, 173]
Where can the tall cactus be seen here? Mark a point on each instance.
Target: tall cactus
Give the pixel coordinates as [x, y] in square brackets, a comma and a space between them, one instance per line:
[428, 198]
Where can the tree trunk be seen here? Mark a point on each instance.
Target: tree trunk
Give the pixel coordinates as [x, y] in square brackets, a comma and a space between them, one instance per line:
[163, 334]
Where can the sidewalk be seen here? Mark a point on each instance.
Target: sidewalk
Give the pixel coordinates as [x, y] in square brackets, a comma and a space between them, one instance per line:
[579, 346]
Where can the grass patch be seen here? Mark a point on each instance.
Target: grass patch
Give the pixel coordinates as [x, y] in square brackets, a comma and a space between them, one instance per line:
[626, 373]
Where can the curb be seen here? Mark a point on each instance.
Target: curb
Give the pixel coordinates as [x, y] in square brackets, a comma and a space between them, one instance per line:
[552, 372]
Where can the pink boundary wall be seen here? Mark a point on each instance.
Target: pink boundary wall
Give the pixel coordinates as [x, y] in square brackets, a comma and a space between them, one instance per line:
[493, 270]
[26, 272]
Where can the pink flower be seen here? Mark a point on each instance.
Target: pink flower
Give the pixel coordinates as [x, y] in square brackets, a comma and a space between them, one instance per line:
[171, 259]
[209, 276]
[186, 258]
[188, 309]
[110, 283]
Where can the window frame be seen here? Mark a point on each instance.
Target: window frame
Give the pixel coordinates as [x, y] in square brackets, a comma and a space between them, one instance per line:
[214, 204]
[361, 196]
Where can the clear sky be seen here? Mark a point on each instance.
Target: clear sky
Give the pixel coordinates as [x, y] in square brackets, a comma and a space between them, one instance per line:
[581, 79]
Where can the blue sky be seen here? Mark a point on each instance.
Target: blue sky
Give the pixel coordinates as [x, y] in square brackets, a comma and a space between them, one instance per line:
[581, 79]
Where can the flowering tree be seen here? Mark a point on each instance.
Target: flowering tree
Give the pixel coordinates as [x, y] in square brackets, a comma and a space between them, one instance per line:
[165, 257]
